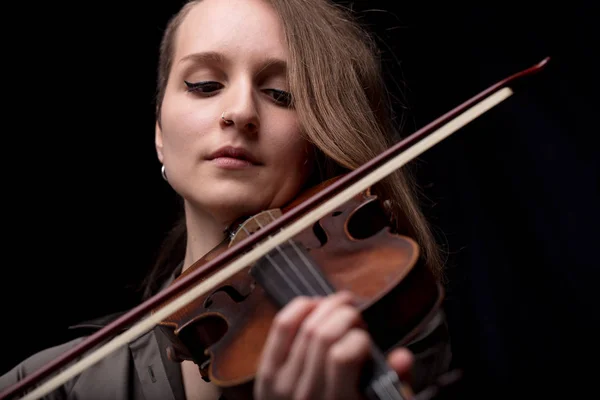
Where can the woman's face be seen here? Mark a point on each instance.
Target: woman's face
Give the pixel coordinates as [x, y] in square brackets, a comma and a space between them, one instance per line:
[230, 60]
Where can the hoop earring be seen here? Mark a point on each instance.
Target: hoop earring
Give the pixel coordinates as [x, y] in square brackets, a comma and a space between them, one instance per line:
[163, 173]
[227, 121]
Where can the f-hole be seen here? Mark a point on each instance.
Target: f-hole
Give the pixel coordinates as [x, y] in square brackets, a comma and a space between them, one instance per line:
[230, 291]
[319, 233]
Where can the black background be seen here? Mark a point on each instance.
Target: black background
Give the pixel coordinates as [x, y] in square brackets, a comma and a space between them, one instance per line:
[513, 196]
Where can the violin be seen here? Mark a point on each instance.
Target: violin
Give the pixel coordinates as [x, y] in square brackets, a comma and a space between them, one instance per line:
[332, 237]
[350, 248]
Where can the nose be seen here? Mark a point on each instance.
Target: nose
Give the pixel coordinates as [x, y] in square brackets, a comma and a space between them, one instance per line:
[241, 110]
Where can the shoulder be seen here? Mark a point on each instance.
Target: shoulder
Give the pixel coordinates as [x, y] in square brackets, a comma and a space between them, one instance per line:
[96, 323]
[36, 361]
[106, 376]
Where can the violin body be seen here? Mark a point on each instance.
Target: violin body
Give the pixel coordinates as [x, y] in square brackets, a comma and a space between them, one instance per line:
[351, 249]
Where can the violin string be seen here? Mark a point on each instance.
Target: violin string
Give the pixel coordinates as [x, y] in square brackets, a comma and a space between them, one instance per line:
[290, 284]
[293, 266]
[383, 385]
[390, 378]
[319, 278]
[308, 287]
[384, 391]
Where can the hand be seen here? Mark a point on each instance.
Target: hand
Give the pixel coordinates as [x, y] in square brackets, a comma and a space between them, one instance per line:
[316, 349]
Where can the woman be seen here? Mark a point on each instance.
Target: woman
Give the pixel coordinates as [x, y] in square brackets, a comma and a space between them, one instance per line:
[257, 100]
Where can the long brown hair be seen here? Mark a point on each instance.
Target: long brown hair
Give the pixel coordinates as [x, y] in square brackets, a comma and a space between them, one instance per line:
[340, 96]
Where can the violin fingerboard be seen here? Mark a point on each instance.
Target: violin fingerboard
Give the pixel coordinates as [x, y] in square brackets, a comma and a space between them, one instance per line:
[287, 272]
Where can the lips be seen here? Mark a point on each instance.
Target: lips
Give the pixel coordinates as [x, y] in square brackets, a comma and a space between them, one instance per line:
[234, 152]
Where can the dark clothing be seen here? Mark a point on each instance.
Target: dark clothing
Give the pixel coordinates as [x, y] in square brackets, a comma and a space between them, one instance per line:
[141, 370]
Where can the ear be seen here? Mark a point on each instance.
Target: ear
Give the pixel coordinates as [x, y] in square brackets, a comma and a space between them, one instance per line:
[158, 142]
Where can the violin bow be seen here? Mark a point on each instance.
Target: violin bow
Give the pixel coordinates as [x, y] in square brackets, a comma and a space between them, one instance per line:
[307, 213]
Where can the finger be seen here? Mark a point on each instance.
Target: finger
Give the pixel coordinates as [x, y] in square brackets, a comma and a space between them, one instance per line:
[402, 360]
[322, 313]
[343, 367]
[281, 335]
[294, 367]
[339, 321]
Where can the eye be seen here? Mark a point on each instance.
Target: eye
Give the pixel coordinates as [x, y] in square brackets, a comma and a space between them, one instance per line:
[280, 97]
[205, 87]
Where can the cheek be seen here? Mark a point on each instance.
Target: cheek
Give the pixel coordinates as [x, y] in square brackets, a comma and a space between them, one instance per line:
[289, 144]
[181, 129]
[292, 166]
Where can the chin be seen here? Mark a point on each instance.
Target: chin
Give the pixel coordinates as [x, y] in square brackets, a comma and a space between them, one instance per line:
[228, 201]
[229, 207]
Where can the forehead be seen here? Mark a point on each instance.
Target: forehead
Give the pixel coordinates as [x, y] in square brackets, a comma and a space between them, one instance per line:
[231, 27]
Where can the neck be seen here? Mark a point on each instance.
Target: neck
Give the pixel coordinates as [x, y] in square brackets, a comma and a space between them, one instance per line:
[204, 232]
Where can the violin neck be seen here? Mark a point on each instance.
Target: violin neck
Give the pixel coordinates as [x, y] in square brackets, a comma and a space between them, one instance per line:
[382, 381]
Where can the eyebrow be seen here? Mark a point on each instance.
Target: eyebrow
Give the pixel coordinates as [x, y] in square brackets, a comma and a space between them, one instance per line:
[273, 65]
[205, 57]
[269, 65]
